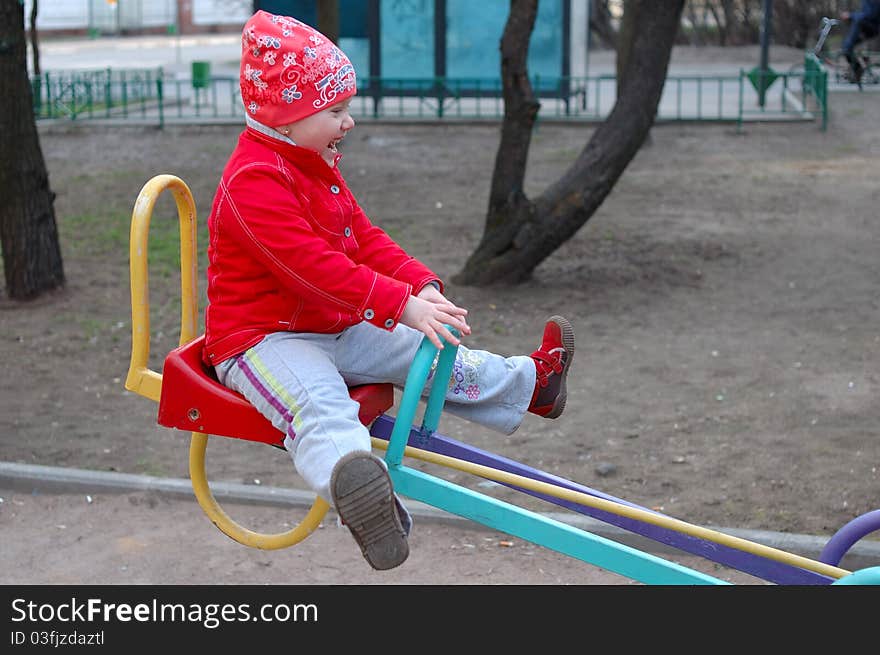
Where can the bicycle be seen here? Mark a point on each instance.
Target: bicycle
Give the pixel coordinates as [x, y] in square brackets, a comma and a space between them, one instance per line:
[837, 64]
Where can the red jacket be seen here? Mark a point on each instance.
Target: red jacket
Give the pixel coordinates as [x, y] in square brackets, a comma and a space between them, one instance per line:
[290, 249]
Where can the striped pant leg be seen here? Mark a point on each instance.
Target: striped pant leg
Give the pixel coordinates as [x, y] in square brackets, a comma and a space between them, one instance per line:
[291, 378]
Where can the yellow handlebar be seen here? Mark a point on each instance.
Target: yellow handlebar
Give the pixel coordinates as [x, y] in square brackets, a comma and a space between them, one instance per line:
[140, 379]
[148, 383]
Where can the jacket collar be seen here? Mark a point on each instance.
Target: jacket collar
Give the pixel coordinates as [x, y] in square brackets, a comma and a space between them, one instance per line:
[303, 158]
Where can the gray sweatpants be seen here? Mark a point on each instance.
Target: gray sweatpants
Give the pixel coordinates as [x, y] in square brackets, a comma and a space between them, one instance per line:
[300, 381]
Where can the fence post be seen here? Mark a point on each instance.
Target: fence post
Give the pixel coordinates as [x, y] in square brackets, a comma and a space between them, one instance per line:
[124, 84]
[739, 120]
[376, 85]
[90, 97]
[49, 102]
[73, 109]
[159, 97]
[108, 93]
[441, 95]
[37, 94]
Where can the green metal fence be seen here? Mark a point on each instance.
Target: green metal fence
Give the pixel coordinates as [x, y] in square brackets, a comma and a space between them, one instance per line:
[102, 93]
[816, 84]
[155, 97]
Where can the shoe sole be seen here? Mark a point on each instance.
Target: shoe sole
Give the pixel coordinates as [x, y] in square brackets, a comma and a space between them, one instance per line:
[364, 499]
[568, 341]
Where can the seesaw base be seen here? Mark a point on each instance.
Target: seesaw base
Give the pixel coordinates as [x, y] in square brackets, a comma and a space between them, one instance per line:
[568, 540]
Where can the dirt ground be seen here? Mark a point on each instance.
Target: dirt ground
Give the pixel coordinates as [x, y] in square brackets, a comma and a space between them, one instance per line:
[148, 539]
[725, 300]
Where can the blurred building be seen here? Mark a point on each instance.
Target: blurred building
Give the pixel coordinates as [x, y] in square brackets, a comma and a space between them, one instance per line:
[393, 39]
[119, 17]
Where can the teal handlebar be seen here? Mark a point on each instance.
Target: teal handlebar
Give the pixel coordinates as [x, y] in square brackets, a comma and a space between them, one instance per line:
[416, 380]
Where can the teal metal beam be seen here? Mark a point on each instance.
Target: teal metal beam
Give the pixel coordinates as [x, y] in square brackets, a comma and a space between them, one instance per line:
[544, 531]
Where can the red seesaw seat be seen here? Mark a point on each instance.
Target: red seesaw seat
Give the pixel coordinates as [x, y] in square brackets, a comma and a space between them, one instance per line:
[193, 400]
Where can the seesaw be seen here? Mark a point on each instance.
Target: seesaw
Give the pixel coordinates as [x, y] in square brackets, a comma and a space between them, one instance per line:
[191, 399]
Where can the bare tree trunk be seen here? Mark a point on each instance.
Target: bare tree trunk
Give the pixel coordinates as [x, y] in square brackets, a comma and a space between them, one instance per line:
[600, 24]
[35, 46]
[328, 19]
[37, 87]
[506, 194]
[696, 36]
[31, 252]
[797, 23]
[720, 22]
[626, 36]
[521, 234]
[749, 25]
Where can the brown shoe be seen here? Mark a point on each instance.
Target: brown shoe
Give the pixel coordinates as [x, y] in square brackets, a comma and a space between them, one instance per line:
[364, 499]
[552, 361]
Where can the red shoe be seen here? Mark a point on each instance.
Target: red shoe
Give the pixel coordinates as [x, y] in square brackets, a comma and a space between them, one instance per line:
[552, 361]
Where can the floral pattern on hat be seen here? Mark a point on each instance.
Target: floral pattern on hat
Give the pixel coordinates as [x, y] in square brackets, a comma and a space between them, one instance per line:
[289, 70]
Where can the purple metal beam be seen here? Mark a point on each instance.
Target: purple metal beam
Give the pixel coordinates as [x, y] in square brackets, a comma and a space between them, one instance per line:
[750, 563]
[849, 534]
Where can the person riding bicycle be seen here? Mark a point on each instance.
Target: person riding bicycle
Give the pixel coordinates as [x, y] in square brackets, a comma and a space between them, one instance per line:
[865, 25]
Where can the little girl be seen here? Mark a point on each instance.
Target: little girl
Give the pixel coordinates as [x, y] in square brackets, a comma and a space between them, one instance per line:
[307, 297]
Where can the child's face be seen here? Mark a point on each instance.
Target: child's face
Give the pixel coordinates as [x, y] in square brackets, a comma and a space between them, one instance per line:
[322, 131]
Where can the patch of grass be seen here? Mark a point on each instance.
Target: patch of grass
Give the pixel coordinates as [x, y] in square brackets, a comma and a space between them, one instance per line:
[99, 235]
[94, 234]
[91, 327]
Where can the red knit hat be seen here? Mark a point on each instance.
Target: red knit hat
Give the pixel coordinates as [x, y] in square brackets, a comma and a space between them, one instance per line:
[289, 70]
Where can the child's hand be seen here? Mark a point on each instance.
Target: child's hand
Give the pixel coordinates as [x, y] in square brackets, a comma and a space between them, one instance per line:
[432, 294]
[430, 312]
